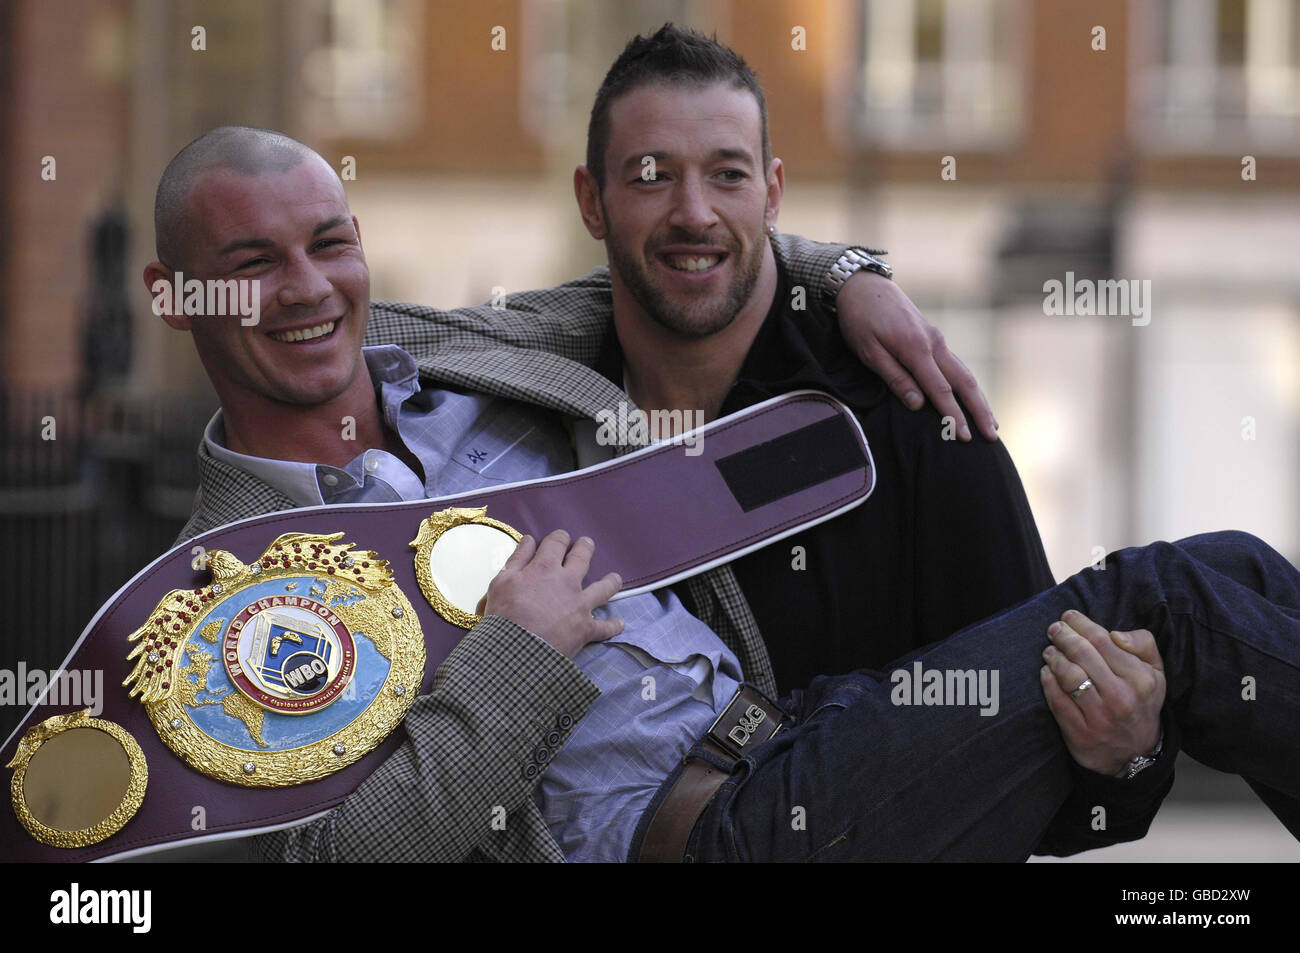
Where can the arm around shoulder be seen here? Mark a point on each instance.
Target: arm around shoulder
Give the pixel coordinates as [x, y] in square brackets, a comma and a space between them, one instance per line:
[569, 320]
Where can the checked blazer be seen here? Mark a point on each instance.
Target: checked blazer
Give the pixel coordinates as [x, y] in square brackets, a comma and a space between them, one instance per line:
[459, 786]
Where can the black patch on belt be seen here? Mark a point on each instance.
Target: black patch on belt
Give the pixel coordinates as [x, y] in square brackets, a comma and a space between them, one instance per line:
[803, 458]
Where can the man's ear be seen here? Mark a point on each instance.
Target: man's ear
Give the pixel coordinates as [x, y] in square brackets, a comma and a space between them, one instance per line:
[356, 227]
[587, 191]
[159, 279]
[775, 189]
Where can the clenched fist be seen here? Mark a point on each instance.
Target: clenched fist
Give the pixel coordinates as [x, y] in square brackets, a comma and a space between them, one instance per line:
[1116, 717]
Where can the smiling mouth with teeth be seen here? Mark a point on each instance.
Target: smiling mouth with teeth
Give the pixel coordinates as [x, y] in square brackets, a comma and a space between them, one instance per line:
[306, 334]
[692, 262]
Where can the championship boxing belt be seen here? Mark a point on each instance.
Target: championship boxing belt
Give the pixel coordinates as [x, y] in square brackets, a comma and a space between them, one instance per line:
[261, 668]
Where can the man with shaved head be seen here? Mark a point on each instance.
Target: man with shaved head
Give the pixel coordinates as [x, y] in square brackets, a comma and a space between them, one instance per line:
[230, 206]
[242, 150]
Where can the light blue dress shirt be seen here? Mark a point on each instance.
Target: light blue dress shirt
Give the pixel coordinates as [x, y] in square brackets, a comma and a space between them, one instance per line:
[663, 679]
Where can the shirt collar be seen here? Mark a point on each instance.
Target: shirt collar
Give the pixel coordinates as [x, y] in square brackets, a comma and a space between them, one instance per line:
[396, 376]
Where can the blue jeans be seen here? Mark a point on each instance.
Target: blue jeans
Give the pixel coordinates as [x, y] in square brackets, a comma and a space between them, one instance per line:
[858, 777]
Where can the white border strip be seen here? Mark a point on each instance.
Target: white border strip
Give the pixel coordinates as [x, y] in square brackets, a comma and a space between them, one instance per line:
[180, 845]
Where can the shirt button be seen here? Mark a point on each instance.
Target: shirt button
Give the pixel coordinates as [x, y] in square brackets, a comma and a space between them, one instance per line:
[330, 479]
[372, 464]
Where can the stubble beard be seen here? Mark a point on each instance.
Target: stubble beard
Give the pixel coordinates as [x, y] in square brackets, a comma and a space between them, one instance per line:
[697, 319]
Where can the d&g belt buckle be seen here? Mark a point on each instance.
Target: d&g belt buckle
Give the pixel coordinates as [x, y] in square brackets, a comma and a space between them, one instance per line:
[749, 719]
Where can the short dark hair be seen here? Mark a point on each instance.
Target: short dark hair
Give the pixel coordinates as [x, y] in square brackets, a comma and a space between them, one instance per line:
[672, 56]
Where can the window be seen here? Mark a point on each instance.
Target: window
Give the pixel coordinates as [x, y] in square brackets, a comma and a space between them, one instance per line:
[940, 72]
[362, 75]
[1217, 75]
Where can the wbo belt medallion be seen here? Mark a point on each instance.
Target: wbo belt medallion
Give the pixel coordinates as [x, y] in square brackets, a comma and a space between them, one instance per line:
[284, 670]
[289, 654]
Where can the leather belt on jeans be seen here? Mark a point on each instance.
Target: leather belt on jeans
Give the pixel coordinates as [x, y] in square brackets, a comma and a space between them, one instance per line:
[749, 719]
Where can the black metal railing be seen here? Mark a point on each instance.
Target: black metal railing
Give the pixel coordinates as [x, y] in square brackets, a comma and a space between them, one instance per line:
[91, 490]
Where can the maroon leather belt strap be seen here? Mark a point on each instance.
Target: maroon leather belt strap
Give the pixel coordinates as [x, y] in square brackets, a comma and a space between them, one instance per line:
[244, 706]
[748, 720]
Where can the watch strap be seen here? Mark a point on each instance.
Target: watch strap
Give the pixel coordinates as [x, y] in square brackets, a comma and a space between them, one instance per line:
[1143, 761]
[853, 260]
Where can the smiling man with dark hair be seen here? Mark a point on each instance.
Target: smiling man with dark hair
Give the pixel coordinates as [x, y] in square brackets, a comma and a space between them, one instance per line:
[682, 188]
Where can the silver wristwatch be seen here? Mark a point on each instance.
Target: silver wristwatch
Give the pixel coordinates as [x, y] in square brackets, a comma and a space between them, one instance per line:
[1142, 761]
[849, 264]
